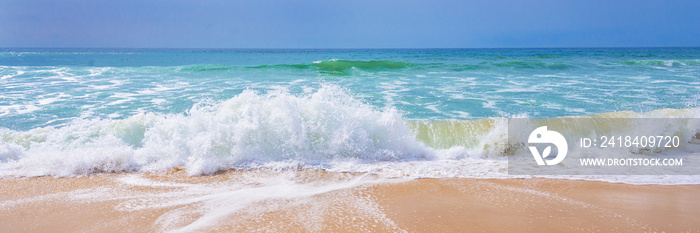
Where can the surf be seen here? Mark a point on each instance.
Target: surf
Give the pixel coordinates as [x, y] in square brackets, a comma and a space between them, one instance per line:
[327, 129]
[248, 130]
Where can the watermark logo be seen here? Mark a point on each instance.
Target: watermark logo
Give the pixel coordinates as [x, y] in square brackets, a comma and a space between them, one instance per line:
[541, 136]
[603, 146]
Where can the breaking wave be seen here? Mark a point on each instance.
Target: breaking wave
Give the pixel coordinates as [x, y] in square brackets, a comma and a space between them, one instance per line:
[245, 131]
[278, 130]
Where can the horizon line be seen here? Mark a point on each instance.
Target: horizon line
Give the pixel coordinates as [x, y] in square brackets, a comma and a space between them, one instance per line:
[357, 48]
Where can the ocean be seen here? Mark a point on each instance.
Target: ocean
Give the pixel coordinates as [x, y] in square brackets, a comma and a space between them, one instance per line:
[394, 113]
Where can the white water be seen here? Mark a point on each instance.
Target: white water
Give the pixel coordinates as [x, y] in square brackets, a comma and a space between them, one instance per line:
[327, 129]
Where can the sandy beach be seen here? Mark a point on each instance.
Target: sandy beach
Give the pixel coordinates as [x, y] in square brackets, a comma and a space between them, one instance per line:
[148, 202]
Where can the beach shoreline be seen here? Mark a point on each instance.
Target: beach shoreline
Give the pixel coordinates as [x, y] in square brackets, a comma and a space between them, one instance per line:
[339, 202]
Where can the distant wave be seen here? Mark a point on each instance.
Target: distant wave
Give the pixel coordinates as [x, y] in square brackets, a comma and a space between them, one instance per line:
[345, 67]
[667, 63]
[337, 67]
[342, 67]
[345, 64]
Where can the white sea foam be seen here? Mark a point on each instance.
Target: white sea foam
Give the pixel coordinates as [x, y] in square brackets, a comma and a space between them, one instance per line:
[18, 109]
[194, 207]
[250, 129]
[327, 129]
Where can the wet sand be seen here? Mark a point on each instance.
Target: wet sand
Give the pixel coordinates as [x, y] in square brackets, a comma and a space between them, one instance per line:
[175, 202]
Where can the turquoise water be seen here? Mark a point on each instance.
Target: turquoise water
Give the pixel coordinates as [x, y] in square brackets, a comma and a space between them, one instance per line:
[51, 87]
[66, 112]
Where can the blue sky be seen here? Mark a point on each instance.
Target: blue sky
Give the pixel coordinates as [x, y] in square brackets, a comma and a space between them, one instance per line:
[348, 24]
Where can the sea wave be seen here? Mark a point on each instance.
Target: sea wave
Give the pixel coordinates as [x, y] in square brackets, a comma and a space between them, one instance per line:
[665, 63]
[489, 137]
[277, 129]
[333, 67]
[345, 67]
[249, 129]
